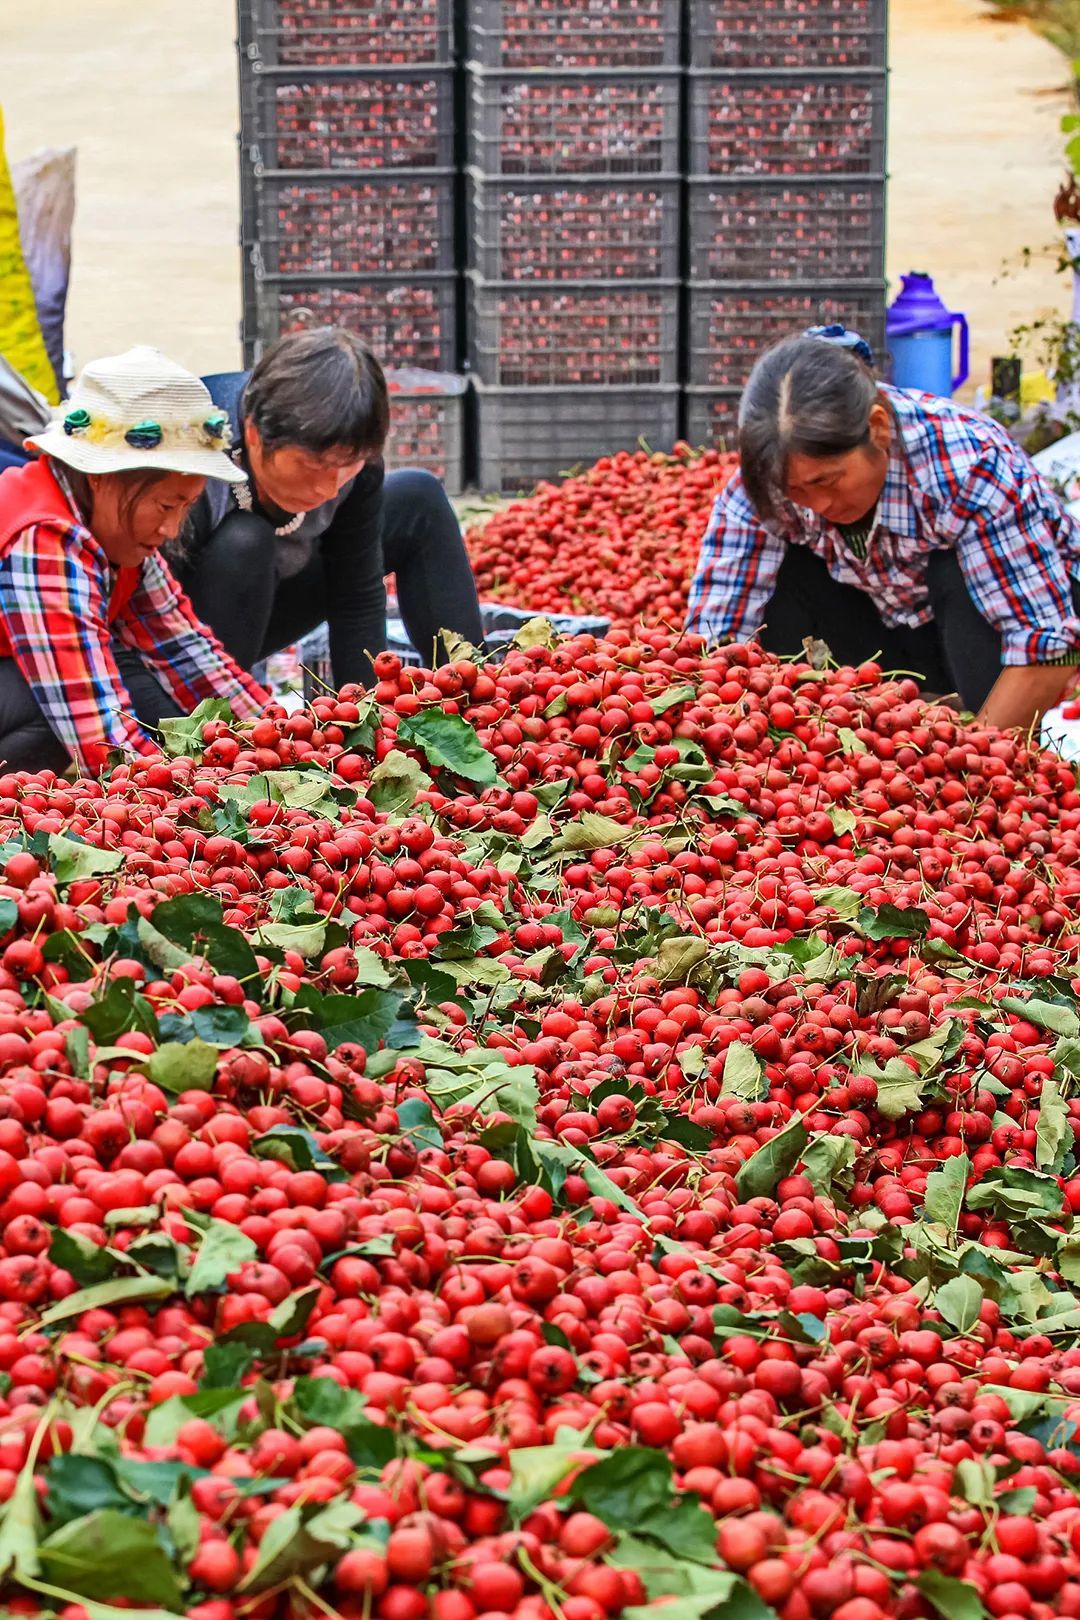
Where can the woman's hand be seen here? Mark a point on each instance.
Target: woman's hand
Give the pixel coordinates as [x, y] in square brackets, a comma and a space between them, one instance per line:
[1022, 694]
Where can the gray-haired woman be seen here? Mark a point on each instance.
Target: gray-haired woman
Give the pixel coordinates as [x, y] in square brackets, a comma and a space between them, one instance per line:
[890, 523]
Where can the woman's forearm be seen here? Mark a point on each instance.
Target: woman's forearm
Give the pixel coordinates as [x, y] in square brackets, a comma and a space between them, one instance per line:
[1022, 694]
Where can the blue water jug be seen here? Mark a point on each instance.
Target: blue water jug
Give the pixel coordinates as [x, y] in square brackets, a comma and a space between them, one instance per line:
[919, 330]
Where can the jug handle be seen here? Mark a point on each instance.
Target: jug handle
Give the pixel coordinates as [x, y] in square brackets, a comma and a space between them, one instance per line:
[962, 375]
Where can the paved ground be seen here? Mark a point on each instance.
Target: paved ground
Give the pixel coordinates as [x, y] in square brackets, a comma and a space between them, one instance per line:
[148, 94]
[975, 159]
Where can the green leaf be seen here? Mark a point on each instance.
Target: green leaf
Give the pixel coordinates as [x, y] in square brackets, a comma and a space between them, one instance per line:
[667, 1576]
[875, 991]
[293, 1146]
[106, 1555]
[306, 939]
[497, 1088]
[65, 947]
[1053, 1132]
[590, 831]
[313, 790]
[161, 951]
[107, 1611]
[849, 742]
[165, 1421]
[324, 1403]
[222, 1026]
[87, 1262]
[974, 1479]
[159, 1253]
[1023, 1404]
[183, 1065]
[475, 971]
[396, 782]
[223, 1250]
[1020, 1501]
[959, 1302]
[744, 1073]
[892, 922]
[688, 1530]
[449, 741]
[536, 632]
[628, 1488]
[70, 859]
[694, 1138]
[1068, 1260]
[1051, 1015]
[77, 1050]
[183, 733]
[293, 1545]
[183, 1523]
[464, 943]
[953, 1599]
[721, 1596]
[693, 1062]
[118, 1011]
[196, 922]
[226, 1364]
[776, 1159]
[1066, 1055]
[847, 903]
[78, 1485]
[1016, 1193]
[945, 1191]
[139, 1215]
[672, 698]
[820, 962]
[899, 1088]
[360, 736]
[678, 957]
[103, 1296]
[827, 1160]
[20, 1524]
[536, 1470]
[417, 1123]
[366, 1019]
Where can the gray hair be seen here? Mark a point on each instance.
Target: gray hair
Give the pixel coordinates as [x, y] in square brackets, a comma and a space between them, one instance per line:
[805, 397]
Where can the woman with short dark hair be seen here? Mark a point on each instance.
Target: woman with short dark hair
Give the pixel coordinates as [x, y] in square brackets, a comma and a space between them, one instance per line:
[887, 522]
[311, 536]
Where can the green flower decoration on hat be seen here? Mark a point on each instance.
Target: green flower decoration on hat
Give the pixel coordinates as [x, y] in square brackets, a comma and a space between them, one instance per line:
[144, 436]
[76, 421]
[215, 426]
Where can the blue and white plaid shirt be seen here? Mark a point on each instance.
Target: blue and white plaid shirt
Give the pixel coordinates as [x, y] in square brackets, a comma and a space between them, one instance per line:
[955, 482]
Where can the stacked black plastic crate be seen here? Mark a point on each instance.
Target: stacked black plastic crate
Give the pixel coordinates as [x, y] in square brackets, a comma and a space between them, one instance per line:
[573, 230]
[348, 194]
[786, 133]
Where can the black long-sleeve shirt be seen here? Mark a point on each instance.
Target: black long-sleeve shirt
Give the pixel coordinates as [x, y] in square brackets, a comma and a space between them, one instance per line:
[346, 530]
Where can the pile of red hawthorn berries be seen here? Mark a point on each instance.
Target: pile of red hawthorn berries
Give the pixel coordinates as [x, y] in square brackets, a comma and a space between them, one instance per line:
[620, 541]
[543, 1141]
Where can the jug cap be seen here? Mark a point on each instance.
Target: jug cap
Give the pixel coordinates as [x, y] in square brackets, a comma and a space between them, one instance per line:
[917, 308]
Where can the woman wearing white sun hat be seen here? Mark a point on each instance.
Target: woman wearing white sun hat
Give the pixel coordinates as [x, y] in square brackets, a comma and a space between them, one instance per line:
[97, 641]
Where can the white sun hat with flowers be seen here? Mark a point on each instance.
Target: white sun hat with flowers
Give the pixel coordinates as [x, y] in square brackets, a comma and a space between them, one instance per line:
[140, 410]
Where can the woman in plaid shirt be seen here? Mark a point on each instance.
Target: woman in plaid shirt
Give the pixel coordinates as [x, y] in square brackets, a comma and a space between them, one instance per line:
[891, 524]
[97, 641]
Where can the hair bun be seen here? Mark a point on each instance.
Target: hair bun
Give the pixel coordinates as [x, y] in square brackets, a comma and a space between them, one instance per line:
[838, 334]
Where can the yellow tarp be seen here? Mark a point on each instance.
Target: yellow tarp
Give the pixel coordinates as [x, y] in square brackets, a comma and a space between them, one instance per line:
[21, 342]
[1036, 388]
